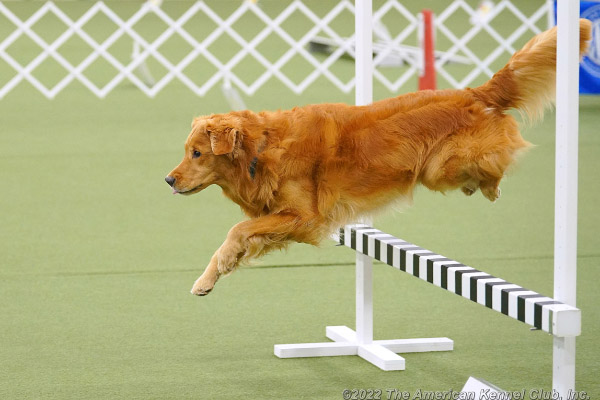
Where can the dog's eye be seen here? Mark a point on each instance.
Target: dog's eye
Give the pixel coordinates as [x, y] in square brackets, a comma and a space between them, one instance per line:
[196, 154]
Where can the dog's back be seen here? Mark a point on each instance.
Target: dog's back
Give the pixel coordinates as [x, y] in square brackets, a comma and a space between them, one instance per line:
[362, 157]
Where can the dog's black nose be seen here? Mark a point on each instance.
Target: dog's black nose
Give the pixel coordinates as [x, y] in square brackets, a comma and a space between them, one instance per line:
[170, 180]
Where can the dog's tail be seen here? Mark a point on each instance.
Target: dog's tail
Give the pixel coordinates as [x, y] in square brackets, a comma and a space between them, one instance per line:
[528, 81]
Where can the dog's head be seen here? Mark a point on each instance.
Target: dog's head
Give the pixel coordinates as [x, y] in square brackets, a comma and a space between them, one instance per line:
[209, 150]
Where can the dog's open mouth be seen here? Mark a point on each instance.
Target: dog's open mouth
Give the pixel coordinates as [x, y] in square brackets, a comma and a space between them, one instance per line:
[188, 192]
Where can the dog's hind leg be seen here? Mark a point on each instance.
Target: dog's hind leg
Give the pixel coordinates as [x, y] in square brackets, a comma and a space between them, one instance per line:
[490, 171]
[490, 189]
[470, 187]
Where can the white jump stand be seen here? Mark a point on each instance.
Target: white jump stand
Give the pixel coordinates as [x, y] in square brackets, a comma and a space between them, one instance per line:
[347, 342]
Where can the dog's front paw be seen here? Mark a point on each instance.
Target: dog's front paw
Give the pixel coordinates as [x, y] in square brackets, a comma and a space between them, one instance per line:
[203, 286]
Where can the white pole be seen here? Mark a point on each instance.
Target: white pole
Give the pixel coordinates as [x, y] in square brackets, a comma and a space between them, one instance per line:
[565, 223]
[363, 28]
[364, 299]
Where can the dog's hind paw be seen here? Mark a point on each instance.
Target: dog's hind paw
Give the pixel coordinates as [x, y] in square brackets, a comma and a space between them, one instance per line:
[470, 187]
[467, 190]
[491, 193]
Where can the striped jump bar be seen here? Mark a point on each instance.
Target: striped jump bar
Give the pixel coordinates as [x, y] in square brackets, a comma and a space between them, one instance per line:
[513, 300]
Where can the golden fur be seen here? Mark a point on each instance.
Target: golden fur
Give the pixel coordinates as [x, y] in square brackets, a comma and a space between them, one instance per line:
[300, 174]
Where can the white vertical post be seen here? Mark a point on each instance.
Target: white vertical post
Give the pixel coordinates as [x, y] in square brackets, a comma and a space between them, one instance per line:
[363, 28]
[364, 299]
[565, 223]
[363, 34]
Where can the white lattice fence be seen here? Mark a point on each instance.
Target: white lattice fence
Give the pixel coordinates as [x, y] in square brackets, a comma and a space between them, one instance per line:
[267, 44]
[499, 45]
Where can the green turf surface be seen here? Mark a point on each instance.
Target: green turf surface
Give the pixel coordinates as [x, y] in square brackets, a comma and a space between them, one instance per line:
[97, 259]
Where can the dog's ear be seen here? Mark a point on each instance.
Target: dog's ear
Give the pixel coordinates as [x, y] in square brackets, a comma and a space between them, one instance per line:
[224, 141]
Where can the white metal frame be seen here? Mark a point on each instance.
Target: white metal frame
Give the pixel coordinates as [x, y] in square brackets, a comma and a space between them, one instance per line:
[381, 353]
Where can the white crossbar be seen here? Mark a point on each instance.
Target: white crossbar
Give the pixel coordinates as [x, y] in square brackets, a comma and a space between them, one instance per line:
[525, 305]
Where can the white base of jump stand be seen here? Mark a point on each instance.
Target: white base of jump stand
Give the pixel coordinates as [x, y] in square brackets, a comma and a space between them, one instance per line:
[347, 342]
[381, 353]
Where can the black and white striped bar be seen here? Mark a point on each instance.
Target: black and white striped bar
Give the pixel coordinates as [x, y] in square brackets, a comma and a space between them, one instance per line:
[513, 300]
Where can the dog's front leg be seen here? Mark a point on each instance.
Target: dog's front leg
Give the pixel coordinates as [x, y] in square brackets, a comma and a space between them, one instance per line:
[250, 239]
[207, 280]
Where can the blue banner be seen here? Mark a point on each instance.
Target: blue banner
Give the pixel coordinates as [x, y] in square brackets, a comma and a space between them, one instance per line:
[589, 72]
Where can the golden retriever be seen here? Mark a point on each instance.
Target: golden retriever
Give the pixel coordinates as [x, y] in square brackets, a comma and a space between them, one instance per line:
[301, 174]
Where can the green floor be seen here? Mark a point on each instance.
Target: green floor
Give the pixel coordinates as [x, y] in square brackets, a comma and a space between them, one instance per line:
[97, 259]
